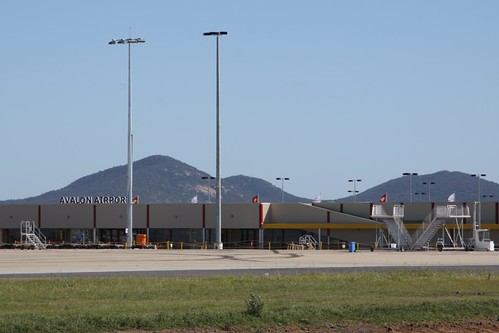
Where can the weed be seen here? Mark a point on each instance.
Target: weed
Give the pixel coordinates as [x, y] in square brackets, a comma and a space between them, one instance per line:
[254, 305]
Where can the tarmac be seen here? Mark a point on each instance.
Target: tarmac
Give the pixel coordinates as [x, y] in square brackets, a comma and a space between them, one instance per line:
[16, 263]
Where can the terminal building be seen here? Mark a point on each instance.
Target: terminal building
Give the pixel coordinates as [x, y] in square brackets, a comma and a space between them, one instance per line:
[252, 225]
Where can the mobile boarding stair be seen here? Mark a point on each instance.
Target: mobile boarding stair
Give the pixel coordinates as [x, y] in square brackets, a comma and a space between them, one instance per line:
[437, 217]
[308, 242]
[395, 225]
[31, 236]
[428, 228]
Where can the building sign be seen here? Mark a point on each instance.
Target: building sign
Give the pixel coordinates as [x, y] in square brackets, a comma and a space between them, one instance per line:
[94, 200]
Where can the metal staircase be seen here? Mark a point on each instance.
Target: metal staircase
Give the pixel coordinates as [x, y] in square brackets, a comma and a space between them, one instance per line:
[395, 225]
[32, 236]
[428, 228]
[308, 242]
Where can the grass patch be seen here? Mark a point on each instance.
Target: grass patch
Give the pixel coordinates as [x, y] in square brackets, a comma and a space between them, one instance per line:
[109, 304]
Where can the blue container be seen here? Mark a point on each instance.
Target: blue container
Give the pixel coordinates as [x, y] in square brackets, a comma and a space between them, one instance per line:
[352, 247]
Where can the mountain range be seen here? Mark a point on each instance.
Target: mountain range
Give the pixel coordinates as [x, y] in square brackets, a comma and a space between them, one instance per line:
[163, 179]
[438, 187]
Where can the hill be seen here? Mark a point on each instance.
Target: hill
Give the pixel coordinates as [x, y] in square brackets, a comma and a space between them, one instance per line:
[446, 183]
[162, 179]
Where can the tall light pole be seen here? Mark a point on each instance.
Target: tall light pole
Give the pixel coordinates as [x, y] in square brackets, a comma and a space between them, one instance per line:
[208, 178]
[429, 189]
[410, 174]
[354, 181]
[478, 176]
[129, 214]
[218, 238]
[282, 179]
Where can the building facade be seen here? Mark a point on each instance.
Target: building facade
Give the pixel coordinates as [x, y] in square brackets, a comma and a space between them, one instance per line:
[264, 225]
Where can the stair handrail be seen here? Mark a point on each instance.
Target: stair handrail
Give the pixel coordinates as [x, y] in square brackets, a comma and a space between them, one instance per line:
[41, 237]
[31, 234]
[398, 211]
[378, 211]
[402, 230]
[437, 215]
[455, 211]
[425, 224]
[395, 220]
[308, 240]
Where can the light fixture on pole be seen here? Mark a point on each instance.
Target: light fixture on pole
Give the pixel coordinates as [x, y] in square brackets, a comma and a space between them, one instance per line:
[354, 181]
[429, 189]
[218, 236]
[282, 179]
[487, 196]
[208, 178]
[410, 174]
[420, 194]
[478, 176]
[129, 215]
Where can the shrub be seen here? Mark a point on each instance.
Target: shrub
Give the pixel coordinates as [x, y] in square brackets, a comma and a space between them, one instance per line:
[254, 305]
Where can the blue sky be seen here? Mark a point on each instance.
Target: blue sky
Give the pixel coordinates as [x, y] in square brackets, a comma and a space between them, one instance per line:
[317, 91]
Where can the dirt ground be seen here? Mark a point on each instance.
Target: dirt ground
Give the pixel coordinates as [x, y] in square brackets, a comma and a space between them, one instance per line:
[470, 326]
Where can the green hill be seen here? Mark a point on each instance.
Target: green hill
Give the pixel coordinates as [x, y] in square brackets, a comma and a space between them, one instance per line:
[162, 179]
[446, 183]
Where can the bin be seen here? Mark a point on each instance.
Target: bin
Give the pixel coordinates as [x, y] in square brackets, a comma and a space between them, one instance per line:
[352, 247]
[141, 239]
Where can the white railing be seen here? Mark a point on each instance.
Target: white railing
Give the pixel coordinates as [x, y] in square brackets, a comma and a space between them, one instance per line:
[451, 211]
[378, 210]
[398, 211]
[308, 241]
[31, 235]
[458, 211]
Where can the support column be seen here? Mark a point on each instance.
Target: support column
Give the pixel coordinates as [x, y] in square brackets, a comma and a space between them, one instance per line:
[260, 238]
[320, 239]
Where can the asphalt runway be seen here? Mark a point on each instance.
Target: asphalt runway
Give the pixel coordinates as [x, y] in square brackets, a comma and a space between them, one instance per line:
[183, 263]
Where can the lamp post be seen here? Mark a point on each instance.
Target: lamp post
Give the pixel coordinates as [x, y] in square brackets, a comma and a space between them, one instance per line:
[478, 176]
[218, 238]
[354, 181]
[129, 215]
[429, 189]
[282, 179]
[410, 174]
[208, 178]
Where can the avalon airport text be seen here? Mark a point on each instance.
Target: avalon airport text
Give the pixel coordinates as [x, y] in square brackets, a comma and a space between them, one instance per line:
[94, 200]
